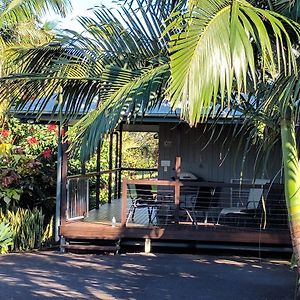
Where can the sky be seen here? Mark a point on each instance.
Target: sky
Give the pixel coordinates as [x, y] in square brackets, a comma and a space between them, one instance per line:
[80, 7]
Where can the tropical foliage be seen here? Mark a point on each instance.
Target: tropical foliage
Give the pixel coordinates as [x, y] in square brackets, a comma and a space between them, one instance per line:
[6, 240]
[26, 229]
[27, 163]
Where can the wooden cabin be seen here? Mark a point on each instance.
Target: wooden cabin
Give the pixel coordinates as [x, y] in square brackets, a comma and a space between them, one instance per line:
[204, 192]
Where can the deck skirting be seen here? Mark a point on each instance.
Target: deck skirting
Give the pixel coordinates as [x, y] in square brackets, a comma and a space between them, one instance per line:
[215, 234]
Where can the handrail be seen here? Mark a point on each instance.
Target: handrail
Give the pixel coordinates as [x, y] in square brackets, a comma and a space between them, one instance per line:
[93, 174]
[140, 169]
[177, 184]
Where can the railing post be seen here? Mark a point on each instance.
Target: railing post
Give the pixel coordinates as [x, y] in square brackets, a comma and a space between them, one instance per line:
[124, 203]
[177, 199]
[177, 188]
[110, 162]
[120, 160]
[98, 179]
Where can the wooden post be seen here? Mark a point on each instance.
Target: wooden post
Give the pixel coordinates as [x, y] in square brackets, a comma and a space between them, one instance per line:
[58, 204]
[124, 203]
[147, 245]
[177, 200]
[64, 174]
[83, 168]
[177, 166]
[110, 162]
[116, 165]
[120, 161]
[177, 188]
[98, 169]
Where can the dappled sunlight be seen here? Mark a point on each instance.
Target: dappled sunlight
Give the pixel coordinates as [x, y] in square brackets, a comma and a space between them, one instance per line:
[52, 275]
[134, 266]
[256, 266]
[186, 275]
[230, 262]
[98, 294]
[202, 261]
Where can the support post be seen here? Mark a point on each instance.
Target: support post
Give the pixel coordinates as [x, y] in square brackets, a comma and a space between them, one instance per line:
[98, 178]
[147, 245]
[120, 161]
[124, 203]
[116, 165]
[178, 167]
[64, 172]
[110, 166]
[58, 184]
[177, 188]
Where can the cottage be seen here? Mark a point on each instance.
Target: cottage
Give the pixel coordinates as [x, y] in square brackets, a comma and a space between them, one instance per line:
[208, 189]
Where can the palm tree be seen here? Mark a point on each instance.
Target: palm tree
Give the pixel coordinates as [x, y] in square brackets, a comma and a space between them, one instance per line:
[19, 27]
[196, 57]
[215, 51]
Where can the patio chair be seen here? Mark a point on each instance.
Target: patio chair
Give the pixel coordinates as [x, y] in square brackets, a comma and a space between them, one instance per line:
[199, 206]
[142, 197]
[253, 201]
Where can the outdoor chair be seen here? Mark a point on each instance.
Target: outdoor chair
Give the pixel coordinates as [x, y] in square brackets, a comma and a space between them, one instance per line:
[271, 211]
[142, 197]
[253, 202]
[199, 206]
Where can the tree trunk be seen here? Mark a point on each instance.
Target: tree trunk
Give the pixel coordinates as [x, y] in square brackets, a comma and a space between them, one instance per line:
[292, 185]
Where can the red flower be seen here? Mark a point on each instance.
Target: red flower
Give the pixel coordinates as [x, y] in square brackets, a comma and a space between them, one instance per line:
[32, 140]
[47, 153]
[52, 127]
[4, 133]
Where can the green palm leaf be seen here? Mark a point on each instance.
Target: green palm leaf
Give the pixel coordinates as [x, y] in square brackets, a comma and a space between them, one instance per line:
[214, 52]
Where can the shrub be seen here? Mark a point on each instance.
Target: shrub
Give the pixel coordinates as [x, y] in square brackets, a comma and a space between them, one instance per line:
[6, 237]
[28, 231]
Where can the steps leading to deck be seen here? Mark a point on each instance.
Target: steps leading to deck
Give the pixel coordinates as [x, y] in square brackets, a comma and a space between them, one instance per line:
[103, 246]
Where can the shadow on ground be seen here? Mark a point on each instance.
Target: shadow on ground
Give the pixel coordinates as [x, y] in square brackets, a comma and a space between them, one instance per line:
[51, 275]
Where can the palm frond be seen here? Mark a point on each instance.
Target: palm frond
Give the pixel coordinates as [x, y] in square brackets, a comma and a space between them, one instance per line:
[120, 61]
[15, 11]
[132, 99]
[213, 52]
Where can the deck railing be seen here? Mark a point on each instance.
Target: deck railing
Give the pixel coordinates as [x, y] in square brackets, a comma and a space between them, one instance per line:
[185, 203]
[80, 200]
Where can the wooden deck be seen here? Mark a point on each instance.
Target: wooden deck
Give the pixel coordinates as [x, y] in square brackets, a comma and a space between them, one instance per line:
[97, 226]
[95, 231]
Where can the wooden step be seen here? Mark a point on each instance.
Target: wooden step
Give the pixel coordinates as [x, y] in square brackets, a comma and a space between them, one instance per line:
[86, 247]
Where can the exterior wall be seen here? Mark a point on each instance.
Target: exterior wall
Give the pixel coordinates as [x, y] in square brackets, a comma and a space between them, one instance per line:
[208, 157]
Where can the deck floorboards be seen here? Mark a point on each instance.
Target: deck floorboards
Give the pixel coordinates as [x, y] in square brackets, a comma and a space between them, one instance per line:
[98, 225]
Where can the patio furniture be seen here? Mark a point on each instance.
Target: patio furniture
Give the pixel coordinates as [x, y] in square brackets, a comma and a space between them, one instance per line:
[199, 205]
[142, 197]
[253, 201]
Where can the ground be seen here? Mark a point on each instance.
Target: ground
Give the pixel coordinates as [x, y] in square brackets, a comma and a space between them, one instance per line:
[52, 275]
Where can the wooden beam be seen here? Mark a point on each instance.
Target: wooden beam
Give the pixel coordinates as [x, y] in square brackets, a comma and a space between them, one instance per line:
[220, 234]
[124, 203]
[116, 164]
[64, 175]
[110, 166]
[120, 161]
[98, 176]
[58, 204]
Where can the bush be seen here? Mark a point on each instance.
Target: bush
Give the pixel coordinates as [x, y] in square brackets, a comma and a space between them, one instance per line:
[28, 230]
[6, 237]
[28, 166]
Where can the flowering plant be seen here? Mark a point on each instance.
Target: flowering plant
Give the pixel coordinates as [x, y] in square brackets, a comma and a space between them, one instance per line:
[27, 163]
